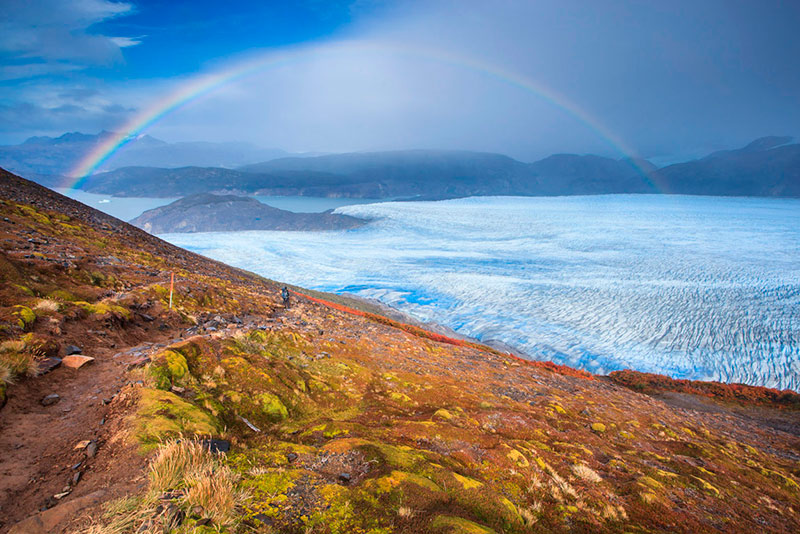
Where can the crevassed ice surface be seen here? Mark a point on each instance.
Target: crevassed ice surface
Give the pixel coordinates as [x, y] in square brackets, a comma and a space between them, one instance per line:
[693, 287]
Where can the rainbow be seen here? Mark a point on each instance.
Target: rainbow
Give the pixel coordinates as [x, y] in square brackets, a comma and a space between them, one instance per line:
[204, 84]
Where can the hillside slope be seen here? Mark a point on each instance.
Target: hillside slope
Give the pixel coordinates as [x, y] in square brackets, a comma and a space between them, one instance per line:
[330, 419]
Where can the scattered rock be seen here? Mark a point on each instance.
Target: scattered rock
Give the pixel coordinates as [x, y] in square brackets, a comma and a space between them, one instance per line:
[76, 361]
[72, 349]
[216, 445]
[91, 449]
[344, 478]
[48, 364]
[139, 362]
[50, 399]
[173, 516]
[253, 427]
[177, 389]
[61, 495]
[76, 477]
[82, 444]
[291, 457]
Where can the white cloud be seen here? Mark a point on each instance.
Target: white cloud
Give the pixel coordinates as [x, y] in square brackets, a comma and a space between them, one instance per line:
[46, 35]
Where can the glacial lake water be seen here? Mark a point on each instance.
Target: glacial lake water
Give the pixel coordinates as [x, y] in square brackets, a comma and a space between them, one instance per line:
[693, 287]
[127, 208]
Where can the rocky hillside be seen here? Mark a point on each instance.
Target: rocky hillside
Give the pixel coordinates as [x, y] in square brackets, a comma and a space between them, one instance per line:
[219, 213]
[326, 418]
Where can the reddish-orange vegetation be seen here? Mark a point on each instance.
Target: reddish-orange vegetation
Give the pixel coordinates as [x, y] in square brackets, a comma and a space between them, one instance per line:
[653, 383]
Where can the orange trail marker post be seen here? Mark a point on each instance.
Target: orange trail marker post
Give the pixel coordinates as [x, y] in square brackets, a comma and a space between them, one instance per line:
[171, 287]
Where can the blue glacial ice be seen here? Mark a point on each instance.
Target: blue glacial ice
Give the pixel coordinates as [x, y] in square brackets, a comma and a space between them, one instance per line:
[693, 287]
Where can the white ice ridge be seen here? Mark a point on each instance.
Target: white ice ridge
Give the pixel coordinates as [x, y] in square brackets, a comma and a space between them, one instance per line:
[692, 287]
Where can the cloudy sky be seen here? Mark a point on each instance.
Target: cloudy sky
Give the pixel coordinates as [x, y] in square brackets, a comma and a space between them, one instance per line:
[666, 80]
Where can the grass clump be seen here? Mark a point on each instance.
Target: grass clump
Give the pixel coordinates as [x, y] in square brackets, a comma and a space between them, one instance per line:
[18, 357]
[191, 476]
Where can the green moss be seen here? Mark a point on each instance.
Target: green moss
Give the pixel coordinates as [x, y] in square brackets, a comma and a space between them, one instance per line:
[705, 485]
[518, 458]
[443, 414]
[168, 368]
[272, 407]
[268, 491]
[39, 217]
[466, 482]
[104, 308]
[394, 479]
[458, 525]
[161, 414]
[25, 317]
[26, 290]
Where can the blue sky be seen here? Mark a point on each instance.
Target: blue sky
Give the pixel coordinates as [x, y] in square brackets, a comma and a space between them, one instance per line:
[669, 79]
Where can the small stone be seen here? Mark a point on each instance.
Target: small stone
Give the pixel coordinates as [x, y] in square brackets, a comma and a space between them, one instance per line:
[72, 349]
[50, 399]
[48, 503]
[76, 361]
[82, 444]
[61, 495]
[139, 362]
[76, 466]
[216, 445]
[344, 478]
[291, 457]
[48, 364]
[91, 449]
[177, 389]
[76, 477]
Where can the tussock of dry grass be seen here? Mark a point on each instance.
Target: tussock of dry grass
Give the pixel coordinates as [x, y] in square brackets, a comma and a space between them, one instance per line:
[17, 358]
[47, 306]
[586, 473]
[196, 474]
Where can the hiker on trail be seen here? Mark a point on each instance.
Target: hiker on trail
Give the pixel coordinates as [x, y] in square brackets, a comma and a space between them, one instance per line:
[285, 296]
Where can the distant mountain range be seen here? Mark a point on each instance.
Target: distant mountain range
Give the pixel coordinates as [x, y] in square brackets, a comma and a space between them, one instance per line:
[43, 156]
[769, 166]
[219, 213]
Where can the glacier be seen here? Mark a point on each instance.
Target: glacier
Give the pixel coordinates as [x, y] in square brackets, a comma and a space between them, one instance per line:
[703, 288]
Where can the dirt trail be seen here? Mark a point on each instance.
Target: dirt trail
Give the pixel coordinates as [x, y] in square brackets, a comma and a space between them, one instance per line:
[38, 442]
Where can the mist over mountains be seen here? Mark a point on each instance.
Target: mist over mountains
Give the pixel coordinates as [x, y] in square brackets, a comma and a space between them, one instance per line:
[769, 166]
[59, 155]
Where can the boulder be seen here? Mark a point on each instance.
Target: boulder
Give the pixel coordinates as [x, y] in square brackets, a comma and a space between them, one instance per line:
[76, 361]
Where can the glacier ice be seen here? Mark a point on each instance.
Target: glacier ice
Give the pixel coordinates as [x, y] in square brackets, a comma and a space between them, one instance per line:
[693, 287]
